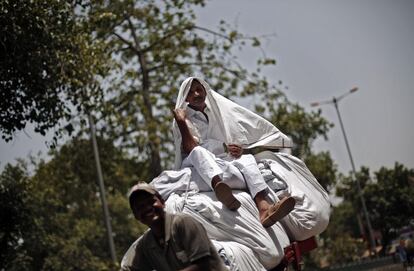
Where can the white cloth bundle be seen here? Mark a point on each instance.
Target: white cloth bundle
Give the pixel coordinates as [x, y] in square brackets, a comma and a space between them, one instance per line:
[238, 257]
[312, 210]
[240, 227]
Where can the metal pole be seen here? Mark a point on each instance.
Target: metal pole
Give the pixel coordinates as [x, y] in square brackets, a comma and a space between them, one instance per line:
[364, 207]
[102, 190]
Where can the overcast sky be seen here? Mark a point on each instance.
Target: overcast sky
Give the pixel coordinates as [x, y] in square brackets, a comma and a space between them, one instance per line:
[324, 48]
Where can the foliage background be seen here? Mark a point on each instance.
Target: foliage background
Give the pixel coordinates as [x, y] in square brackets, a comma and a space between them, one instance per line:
[122, 62]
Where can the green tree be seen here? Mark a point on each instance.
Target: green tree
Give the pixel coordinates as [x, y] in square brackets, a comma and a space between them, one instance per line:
[348, 190]
[15, 216]
[323, 168]
[63, 210]
[390, 200]
[385, 195]
[344, 220]
[346, 235]
[344, 249]
[46, 59]
[292, 119]
[347, 187]
[343, 237]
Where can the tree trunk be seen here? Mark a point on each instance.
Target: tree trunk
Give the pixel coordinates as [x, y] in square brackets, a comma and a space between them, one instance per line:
[153, 139]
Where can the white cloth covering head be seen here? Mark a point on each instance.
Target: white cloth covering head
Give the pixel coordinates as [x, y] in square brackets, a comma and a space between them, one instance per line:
[238, 124]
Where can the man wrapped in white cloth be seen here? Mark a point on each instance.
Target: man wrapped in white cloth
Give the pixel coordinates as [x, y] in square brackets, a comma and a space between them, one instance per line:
[219, 124]
[224, 175]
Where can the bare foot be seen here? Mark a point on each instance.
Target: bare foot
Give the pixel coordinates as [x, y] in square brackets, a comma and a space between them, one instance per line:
[262, 204]
[225, 195]
[263, 208]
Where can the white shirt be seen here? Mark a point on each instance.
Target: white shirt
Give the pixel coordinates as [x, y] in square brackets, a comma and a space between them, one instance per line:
[203, 129]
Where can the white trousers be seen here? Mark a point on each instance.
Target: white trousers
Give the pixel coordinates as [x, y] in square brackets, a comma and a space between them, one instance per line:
[241, 173]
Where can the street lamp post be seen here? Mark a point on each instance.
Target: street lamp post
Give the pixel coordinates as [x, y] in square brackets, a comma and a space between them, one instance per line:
[335, 101]
[102, 190]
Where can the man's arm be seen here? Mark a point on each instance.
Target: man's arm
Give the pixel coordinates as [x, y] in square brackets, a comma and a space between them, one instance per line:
[187, 140]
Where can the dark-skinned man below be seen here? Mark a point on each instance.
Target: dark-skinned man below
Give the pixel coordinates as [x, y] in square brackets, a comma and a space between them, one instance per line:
[173, 242]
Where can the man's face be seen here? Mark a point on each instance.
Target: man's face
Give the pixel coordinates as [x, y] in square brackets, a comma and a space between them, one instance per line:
[197, 96]
[148, 209]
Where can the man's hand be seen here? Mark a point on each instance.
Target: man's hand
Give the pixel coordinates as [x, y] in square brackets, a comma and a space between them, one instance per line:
[235, 150]
[179, 114]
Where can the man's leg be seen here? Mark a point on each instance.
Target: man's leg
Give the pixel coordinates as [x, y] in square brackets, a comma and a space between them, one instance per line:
[269, 212]
[204, 162]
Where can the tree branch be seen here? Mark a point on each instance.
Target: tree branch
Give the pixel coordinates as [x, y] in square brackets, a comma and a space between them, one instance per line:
[168, 35]
[176, 64]
[211, 32]
[153, 145]
[127, 42]
[134, 36]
